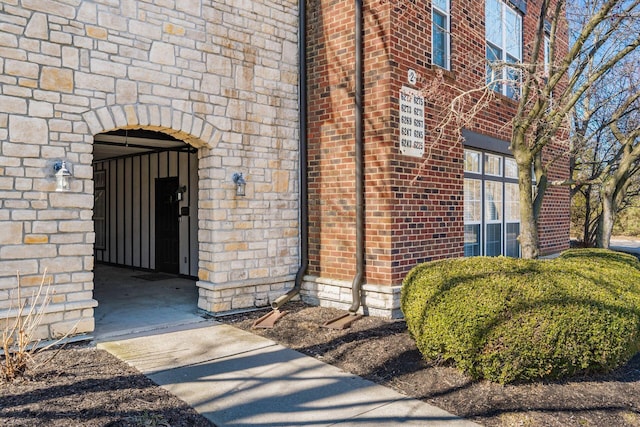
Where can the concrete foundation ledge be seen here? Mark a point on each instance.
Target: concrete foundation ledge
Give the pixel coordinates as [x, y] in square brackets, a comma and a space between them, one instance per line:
[50, 308]
[377, 300]
[53, 321]
[221, 298]
[244, 283]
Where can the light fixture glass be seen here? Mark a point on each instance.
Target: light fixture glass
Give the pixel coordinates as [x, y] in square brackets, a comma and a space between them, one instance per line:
[240, 184]
[62, 176]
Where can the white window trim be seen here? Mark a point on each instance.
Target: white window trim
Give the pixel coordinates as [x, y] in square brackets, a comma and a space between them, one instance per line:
[447, 29]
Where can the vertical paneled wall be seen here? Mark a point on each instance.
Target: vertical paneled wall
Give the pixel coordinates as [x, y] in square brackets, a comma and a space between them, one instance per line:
[127, 234]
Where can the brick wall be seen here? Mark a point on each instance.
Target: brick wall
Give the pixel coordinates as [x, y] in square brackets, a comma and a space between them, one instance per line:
[219, 75]
[555, 220]
[414, 206]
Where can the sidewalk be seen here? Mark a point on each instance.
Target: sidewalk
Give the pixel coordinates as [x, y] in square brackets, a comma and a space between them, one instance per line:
[630, 246]
[235, 378]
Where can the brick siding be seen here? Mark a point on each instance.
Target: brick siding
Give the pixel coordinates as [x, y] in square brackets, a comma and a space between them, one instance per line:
[414, 206]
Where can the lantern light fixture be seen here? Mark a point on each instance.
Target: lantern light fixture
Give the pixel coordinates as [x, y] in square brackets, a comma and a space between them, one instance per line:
[62, 175]
[238, 179]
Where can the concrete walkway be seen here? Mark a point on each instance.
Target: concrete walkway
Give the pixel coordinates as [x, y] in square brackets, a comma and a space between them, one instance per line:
[630, 246]
[131, 301]
[235, 378]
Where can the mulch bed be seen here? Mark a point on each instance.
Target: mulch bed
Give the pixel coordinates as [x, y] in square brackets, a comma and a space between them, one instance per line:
[84, 386]
[383, 352]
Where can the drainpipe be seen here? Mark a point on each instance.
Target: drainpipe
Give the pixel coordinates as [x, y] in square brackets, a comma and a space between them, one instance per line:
[341, 322]
[345, 321]
[356, 286]
[302, 118]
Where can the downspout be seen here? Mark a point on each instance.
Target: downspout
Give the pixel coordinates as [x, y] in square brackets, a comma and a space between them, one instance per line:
[343, 322]
[269, 320]
[356, 286]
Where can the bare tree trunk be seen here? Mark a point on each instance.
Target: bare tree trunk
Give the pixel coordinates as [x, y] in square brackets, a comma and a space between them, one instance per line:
[529, 239]
[612, 197]
[614, 190]
[586, 236]
[606, 220]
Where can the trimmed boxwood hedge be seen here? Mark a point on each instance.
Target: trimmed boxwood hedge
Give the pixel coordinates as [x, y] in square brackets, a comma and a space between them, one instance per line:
[509, 320]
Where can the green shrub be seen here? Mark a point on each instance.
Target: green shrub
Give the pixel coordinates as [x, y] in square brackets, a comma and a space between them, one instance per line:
[510, 320]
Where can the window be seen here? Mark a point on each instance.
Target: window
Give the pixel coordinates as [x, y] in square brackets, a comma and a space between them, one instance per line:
[491, 205]
[547, 67]
[441, 18]
[510, 168]
[493, 217]
[547, 54]
[472, 216]
[504, 46]
[472, 161]
[512, 219]
[492, 164]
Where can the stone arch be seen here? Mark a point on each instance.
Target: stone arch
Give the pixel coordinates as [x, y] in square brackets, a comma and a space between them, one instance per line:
[181, 125]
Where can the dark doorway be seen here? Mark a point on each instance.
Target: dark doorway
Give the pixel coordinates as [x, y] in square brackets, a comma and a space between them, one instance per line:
[167, 237]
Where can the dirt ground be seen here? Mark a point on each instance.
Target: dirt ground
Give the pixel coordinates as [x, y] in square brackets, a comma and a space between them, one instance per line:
[84, 386]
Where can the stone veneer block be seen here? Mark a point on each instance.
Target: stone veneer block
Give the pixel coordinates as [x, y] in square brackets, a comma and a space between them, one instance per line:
[10, 232]
[29, 130]
[162, 53]
[51, 7]
[57, 79]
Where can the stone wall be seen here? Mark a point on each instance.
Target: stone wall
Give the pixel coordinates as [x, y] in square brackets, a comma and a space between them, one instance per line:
[219, 75]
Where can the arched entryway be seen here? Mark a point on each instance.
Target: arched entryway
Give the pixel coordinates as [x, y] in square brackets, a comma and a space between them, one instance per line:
[146, 228]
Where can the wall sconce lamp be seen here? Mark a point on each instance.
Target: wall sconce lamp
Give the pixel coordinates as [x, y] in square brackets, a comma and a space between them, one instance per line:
[240, 184]
[62, 176]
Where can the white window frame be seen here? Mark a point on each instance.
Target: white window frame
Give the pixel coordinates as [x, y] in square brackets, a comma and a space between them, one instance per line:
[505, 74]
[446, 14]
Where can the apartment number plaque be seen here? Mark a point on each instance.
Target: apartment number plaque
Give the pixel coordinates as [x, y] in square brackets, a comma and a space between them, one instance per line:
[411, 122]
[412, 76]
